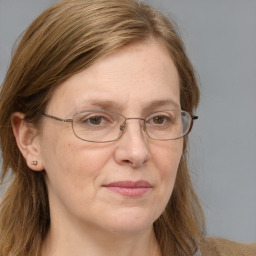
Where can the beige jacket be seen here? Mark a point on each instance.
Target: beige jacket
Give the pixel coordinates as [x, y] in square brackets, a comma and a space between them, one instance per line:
[213, 246]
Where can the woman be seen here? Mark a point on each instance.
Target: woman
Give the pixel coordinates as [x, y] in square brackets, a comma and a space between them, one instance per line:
[94, 115]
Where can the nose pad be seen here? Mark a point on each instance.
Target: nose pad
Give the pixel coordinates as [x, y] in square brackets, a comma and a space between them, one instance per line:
[142, 125]
[122, 127]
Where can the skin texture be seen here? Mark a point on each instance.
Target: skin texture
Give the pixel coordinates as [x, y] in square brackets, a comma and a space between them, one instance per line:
[86, 217]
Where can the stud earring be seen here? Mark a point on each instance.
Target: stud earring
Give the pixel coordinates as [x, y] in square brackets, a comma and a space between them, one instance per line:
[34, 163]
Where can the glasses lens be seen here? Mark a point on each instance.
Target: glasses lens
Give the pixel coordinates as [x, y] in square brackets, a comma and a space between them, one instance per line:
[168, 125]
[97, 126]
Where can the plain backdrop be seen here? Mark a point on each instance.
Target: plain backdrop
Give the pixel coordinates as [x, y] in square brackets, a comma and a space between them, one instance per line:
[220, 37]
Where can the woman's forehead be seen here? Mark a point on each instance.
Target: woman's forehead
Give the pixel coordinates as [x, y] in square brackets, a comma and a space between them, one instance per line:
[143, 72]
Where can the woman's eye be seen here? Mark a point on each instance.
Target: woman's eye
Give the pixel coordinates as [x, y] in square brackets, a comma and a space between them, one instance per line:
[96, 120]
[158, 119]
[90, 120]
[161, 119]
[93, 120]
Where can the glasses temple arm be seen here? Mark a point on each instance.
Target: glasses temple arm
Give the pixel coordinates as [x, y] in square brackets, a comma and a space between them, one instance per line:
[57, 118]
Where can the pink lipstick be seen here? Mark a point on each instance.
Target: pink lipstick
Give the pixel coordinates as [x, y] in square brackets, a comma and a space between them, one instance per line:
[130, 188]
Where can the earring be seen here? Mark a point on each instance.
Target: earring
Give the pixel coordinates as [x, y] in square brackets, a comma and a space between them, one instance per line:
[34, 163]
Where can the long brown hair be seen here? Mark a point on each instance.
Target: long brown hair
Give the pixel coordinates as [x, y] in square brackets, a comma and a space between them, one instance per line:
[68, 37]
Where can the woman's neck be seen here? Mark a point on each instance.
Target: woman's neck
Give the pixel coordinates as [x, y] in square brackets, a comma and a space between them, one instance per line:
[66, 242]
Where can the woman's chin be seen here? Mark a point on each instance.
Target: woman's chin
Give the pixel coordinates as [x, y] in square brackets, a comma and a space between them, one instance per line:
[131, 221]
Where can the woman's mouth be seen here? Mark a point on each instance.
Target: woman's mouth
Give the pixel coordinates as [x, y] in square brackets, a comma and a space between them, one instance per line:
[128, 188]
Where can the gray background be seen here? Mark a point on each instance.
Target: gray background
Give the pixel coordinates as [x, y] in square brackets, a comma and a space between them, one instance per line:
[220, 36]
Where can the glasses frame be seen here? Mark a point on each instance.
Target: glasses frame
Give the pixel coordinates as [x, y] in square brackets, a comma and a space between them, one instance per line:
[123, 126]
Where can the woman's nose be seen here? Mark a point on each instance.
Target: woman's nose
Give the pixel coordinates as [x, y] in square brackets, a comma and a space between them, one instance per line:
[132, 147]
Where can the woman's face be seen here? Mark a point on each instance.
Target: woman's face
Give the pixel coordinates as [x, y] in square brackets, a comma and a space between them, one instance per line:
[88, 182]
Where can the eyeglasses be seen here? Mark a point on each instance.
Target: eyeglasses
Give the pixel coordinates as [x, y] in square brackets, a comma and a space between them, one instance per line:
[102, 126]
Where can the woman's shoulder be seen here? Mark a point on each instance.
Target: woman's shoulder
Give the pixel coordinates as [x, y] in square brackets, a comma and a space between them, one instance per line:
[213, 246]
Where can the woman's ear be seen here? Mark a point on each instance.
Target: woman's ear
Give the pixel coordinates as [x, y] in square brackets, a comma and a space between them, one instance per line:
[27, 140]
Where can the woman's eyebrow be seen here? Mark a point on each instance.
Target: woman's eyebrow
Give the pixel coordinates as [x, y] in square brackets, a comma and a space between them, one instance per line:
[166, 103]
[105, 104]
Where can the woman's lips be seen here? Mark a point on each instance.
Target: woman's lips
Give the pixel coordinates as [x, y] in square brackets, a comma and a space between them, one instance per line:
[130, 188]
